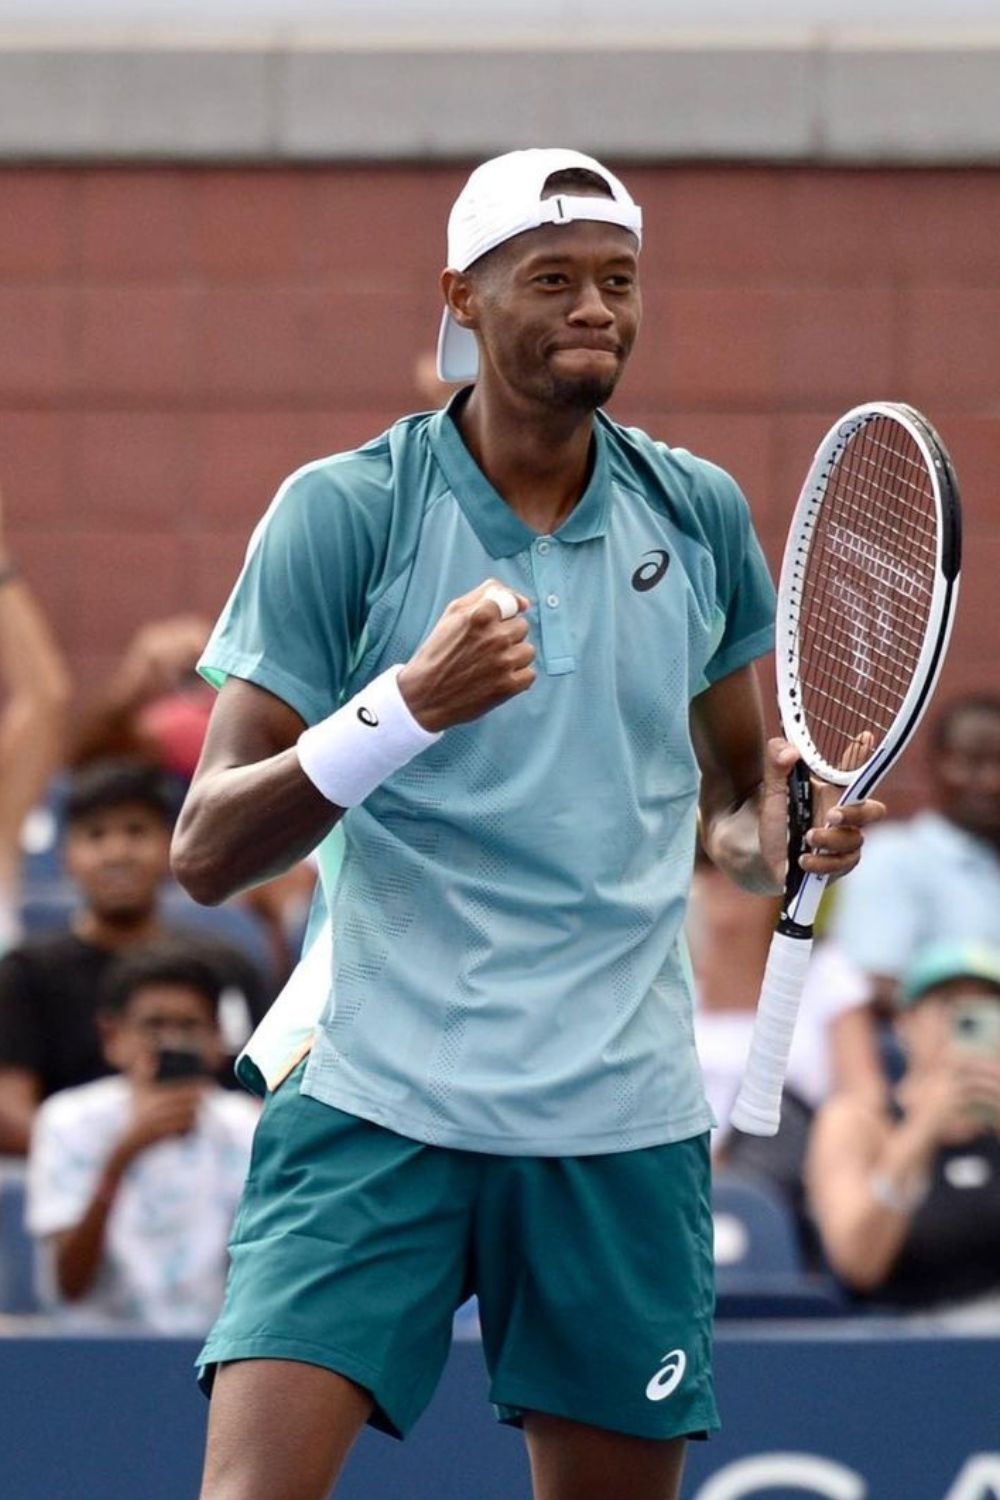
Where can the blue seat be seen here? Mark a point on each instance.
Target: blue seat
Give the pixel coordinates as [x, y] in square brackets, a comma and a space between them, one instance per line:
[47, 906]
[759, 1267]
[754, 1229]
[42, 835]
[231, 923]
[17, 1253]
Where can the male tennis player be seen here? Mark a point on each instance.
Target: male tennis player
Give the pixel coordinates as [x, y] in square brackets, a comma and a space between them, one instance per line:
[484, 645]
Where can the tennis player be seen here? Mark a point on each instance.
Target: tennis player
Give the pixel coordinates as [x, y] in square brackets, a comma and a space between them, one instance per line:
[506, 649]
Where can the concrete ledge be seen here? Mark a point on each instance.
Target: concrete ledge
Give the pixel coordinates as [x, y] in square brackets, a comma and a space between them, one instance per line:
[804, 101]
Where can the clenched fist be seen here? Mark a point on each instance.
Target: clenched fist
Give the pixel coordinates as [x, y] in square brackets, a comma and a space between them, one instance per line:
[472, 661]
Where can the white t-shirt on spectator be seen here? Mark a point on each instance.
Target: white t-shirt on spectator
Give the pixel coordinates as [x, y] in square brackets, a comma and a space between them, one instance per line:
[165, 1253]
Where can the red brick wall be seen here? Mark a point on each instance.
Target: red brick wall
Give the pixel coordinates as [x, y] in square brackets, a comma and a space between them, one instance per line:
[175, 340]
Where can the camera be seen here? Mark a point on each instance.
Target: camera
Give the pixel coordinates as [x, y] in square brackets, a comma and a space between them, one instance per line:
[975, 1025]
[176, 1064]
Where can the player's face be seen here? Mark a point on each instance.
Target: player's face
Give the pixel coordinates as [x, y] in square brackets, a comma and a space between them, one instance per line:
[967, 773]
[119, 857]
[558, 313]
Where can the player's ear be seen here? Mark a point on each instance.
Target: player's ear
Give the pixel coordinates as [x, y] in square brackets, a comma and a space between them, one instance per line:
[460, 297]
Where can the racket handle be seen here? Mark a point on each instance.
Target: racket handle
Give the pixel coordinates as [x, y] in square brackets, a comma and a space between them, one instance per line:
[757, 1110]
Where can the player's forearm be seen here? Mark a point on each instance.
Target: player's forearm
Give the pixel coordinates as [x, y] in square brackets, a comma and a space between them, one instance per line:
[244, 824]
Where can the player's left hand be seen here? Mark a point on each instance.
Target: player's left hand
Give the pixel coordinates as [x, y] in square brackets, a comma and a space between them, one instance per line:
[835, 839]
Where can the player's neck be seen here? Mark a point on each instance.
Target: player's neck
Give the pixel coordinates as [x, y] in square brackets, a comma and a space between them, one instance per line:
[117, 932]
[538, 460]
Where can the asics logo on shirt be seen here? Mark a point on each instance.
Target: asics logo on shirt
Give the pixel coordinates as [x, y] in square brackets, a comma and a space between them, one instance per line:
[367, 717]
[648, 574]
[668, 1377]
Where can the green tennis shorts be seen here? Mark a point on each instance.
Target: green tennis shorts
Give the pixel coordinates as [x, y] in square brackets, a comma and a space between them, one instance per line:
[353, 1246]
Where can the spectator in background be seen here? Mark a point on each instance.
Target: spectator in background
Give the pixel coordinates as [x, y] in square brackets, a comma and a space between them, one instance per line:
[936, 877]
[155, 709]
[34, 679]
[133, 1180]
[729, 932]
[118, 826]
[906, 1195]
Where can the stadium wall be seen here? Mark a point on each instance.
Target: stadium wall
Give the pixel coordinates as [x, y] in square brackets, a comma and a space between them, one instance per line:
[202, 284]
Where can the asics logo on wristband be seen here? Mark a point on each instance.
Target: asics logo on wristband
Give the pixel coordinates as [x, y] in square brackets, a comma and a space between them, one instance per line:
[367, 717]
[648, 574]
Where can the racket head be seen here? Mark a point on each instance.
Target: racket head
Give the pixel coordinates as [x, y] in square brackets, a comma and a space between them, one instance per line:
[867, 594]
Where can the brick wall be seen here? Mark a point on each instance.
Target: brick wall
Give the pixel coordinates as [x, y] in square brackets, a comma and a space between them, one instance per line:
[176, 339]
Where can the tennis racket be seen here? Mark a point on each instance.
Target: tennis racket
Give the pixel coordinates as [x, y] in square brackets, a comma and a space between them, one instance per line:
[866, 600]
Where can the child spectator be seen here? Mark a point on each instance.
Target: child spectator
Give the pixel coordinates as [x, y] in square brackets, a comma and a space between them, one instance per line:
[133, 1179]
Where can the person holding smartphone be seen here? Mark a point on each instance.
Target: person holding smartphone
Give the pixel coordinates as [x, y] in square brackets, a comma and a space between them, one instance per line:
[133, 1179]
[906, 1197]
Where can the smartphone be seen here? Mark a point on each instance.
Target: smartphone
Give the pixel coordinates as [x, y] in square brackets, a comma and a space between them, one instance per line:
[975, 1025]
[175, 1064]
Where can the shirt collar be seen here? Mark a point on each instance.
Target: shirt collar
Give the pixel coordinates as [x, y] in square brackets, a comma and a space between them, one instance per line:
[498, 527]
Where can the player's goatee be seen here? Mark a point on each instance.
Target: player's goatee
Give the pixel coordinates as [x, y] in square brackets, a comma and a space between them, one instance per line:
[585, 394]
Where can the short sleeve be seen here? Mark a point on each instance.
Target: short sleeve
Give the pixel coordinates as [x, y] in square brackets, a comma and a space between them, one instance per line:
[744, 591]
[22, 1040]
[297, 612]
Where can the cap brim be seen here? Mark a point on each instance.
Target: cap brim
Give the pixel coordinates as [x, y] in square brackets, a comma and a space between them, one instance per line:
[457, 351]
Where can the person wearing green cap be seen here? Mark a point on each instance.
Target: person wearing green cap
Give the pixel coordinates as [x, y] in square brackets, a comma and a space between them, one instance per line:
[906, 1197]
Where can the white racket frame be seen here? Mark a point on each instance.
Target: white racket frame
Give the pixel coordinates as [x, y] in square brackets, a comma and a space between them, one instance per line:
[757, 1110]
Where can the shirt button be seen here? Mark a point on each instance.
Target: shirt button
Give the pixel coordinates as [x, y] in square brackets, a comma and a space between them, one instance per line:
[552, 601]
[543, 546]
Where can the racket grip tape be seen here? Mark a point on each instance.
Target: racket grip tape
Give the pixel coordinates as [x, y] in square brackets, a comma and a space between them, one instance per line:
[757, 1110]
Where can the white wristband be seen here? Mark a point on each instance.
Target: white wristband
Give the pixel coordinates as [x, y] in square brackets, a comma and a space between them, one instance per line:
[349, 754]
[897, 1199]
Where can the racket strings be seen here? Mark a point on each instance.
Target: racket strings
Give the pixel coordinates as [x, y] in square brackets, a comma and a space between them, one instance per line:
[866, 590]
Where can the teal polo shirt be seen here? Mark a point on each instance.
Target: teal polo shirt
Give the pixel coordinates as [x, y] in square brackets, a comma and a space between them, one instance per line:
[508, 973]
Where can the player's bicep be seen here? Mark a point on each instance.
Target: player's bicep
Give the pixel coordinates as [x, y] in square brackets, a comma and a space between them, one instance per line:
[727, 732]
[247, 725]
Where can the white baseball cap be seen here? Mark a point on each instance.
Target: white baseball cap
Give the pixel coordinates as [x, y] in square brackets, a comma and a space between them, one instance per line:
[503, 198]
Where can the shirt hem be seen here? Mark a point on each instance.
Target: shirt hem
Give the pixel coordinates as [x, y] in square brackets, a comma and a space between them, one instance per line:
[431, 1133]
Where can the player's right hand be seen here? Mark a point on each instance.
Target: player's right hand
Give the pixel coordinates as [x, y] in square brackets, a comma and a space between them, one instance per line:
[472, 661]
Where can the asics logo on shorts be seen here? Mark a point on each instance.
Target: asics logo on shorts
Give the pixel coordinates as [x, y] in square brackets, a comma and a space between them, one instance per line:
[668, 1377]
[648, 574]
[367, 717]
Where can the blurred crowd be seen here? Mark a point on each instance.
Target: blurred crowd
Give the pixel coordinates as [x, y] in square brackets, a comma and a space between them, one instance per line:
[888, 1152]
[123, 1006]
[124, 1137]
